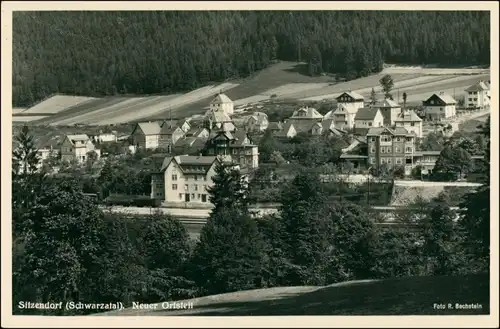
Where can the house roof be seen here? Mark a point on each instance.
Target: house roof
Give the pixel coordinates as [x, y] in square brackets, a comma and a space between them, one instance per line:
[168, 129]
[187, 160]
[221, 99]
[447, 99]
[259, 117]
[400, 131]
[352, 94]
[349, 109]
[305, 113]
[149, 128]
[298, 125]
[480, 86]
[366, 113]
[218, 117]
[407, 116]
[195, 132]
[79, 137]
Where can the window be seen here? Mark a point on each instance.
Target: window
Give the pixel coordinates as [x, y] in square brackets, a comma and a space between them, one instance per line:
[398, 149]
[195, 177]
[174, 177]
[386, 138]
[408, 149]
[71, 150]
[382, 161]
[432, 102]
[83, 158]
[192, 195]
[413, 124]
[470, 99]
[372, 160]
[389, 161]
[174, 186]
[382, 150]
[373, 139]
[204, 178]
[389, 150]
[196, 187]
[186, 187]
[180, 196]
[441, 109]
[408, 139]
[475, 99]
[203, 198]
[234, 151]
[398, 139]
[199, 196]
[398, 161]
[369, 124]
[372, 150]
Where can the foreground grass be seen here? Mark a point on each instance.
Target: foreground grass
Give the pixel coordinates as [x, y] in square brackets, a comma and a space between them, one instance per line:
[400, 296]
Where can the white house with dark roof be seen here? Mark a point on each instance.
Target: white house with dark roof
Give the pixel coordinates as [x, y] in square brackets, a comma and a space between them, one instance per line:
[77, 147]
[169, 135]
[222, 103]
[477, 96]
[440, 106]
[184, 179]
[146, 135]
[390, 110]
[410, 121]
[367, 118]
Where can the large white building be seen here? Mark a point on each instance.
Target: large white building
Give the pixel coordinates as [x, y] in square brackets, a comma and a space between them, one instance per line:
[477, 96]
[348, 104]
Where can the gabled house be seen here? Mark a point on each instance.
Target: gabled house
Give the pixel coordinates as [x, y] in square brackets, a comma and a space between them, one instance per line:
[257, 122]
[190, 145]
[77, 147]
[233, 146]
[439, 106]
[291, 128]
[146, 135]
[184, 179]
[169, 135]
[184, 125]
[222, 103]
[410, 121]
[343, 117]
[306, 113]
[477, 96]
[390, 110]
[352, 102]
[367, 118]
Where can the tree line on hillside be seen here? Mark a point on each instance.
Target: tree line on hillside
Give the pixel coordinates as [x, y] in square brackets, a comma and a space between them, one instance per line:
[66, 248]
[107, 53]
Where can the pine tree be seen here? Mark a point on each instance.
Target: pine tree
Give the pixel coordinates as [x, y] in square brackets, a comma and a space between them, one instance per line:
[373, 97]
[229, 189]
[387, 83]
[25, 158]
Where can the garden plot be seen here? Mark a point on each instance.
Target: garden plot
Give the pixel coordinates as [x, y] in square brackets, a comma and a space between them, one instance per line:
[57, 104]
[164, 108]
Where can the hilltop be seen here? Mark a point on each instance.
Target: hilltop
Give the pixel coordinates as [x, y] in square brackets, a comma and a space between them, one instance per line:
[398, 296]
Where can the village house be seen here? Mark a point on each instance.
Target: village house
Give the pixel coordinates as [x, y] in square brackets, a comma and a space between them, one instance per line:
[390, 110]
[477, 96]
[348, 104]
[439, 106]
[106, 138]
[222, 103]
[184, 179]
[190, 145]
[426, 159]
[257, 122]
[367, 118]
[233, 146]
[169, 135]
[304, 120]
[146, 135]
[77, 147]
[409, 120]
[391, 147]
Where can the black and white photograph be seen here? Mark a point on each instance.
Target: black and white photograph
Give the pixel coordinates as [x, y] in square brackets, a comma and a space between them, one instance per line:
[213, 162]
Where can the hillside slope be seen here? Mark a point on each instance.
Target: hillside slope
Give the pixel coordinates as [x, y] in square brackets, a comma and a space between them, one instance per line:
[400, 296]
